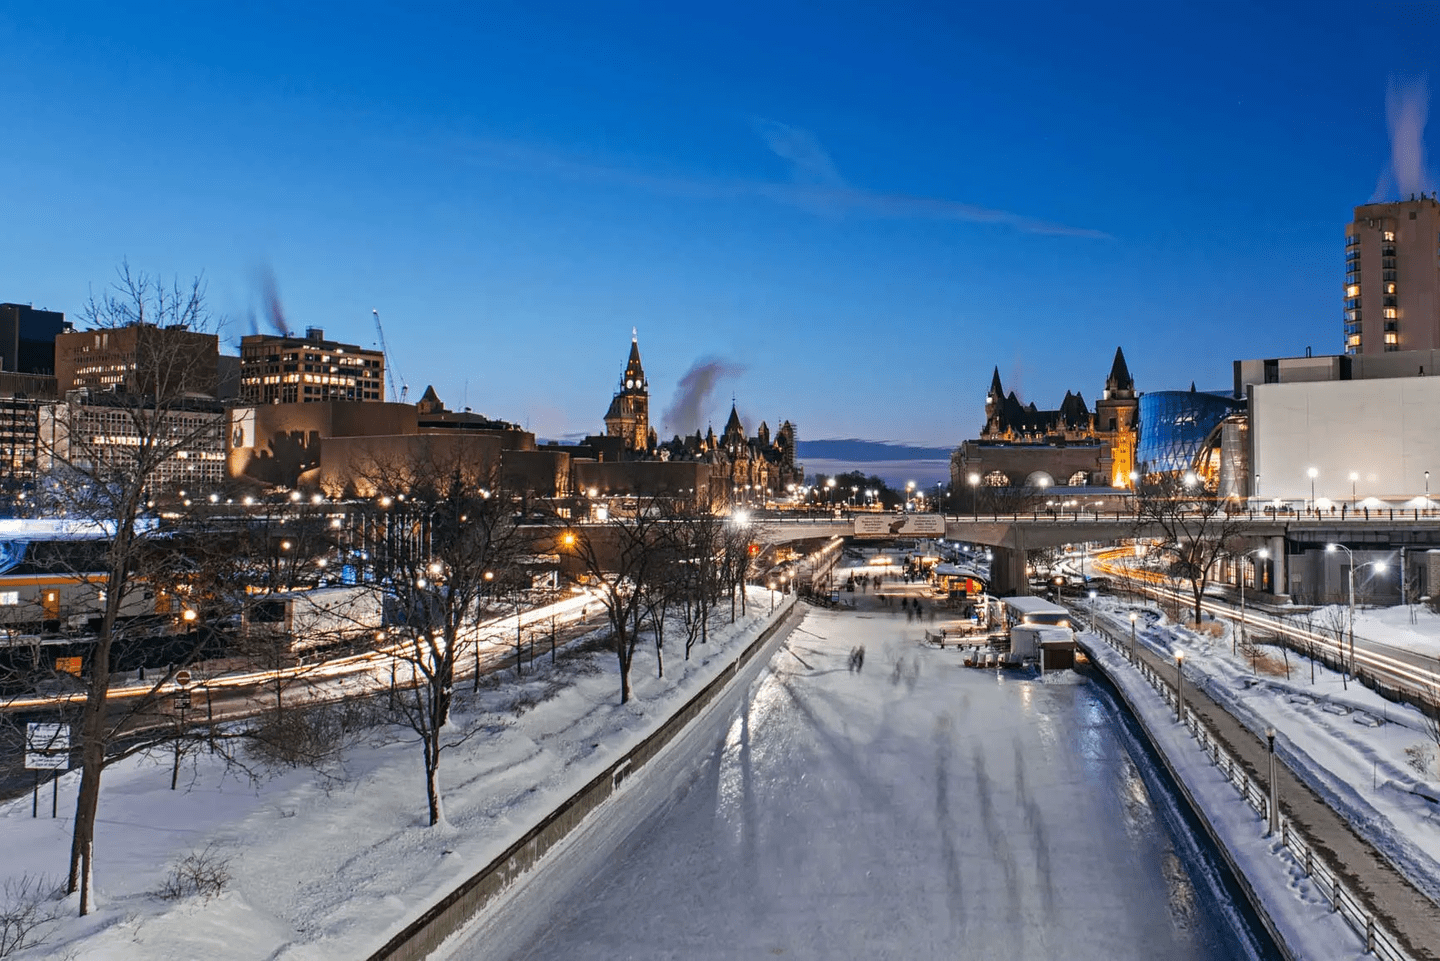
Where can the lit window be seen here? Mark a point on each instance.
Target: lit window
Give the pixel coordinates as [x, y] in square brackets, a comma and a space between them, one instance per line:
[1390, 288]
[1352, 291]
[1352, 341]
[9, 598]
[1392, 338]
[1389, 236]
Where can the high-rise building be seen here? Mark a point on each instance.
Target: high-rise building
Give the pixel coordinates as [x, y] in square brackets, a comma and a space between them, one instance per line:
[629, 415]
[302, 370]
[1392, 277]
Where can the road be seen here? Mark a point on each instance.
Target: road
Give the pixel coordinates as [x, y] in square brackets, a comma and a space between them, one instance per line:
[1414, 674]
[242, 694]
[915, 809]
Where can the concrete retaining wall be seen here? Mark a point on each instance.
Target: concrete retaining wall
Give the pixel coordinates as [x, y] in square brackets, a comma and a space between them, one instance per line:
[426, 933]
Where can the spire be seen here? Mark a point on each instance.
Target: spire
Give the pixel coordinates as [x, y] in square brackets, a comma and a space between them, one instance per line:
[634, 378]
[733, 424]
[996, 390]
[1119, 379]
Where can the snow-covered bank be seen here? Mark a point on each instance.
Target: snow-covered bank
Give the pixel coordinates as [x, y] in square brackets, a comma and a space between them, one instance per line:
[329, 867]
[1297, 908]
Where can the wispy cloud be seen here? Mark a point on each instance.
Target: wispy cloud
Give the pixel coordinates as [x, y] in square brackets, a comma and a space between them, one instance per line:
[815, 185]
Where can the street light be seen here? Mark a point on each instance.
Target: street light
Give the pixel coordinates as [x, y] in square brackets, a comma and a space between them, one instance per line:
[1133, 618]
[1379, 566]
[1261, 552]
[1180, 686]
[974, 481]
[1353, 478]
[1092, 610]
[1312, 473]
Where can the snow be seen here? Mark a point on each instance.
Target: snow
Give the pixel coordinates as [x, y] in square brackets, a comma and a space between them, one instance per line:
[331, 865]
[915, 809]
[1345, 741]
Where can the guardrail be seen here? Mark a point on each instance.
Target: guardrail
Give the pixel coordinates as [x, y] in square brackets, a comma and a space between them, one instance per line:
[1378, 940]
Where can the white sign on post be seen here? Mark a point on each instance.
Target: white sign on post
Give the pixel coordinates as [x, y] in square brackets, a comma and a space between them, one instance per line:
[47, 747]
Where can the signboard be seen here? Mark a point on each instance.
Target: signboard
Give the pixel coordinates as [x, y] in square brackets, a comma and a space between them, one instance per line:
[47, 747]
[899, 525]
[182, 701]
[69, 665]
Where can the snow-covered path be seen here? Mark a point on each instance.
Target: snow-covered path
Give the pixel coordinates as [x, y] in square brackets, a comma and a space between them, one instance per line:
[916, 809]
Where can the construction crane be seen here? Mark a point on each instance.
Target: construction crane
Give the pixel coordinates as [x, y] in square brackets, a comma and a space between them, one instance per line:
[389, 363]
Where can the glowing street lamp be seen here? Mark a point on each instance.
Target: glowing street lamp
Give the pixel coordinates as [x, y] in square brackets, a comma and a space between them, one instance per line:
[974, 481]
[1312, 473]
[1180, 686]
[1262, 553]
[1133, 618]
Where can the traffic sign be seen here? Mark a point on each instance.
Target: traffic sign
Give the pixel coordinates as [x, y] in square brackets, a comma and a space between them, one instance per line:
[47, 747]
[182, 701]
[182, 678]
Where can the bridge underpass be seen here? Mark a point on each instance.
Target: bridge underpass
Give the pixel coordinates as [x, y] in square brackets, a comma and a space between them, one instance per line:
[1012, 537]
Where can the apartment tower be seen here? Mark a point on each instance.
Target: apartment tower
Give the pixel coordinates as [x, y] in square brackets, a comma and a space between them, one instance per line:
[1392, 277]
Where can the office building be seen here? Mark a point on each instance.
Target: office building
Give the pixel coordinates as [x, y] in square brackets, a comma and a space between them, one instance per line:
[27, 338]
[278, 369]
[137, 359]
[1392, 277]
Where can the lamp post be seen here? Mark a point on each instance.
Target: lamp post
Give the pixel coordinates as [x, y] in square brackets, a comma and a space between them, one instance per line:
[1353, 478]
[1312, 473]
[1261, 552]
[1274, 786]
[974, 481]
[1180, 686]
[771, 585]
[1092, 611]
[1133, 618]
[1331, 548]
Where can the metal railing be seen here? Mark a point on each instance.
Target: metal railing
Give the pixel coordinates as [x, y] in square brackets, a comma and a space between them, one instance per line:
[1378, 940]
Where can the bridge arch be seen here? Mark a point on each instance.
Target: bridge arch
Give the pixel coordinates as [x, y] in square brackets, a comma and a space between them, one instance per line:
[1040, 478]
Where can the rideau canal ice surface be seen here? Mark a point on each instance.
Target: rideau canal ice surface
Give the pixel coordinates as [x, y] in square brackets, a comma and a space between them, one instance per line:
[914, 809]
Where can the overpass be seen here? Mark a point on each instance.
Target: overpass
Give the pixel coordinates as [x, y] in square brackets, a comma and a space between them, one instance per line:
[1012, 536]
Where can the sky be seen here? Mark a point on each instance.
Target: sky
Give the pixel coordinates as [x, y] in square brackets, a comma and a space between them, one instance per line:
[854, 211]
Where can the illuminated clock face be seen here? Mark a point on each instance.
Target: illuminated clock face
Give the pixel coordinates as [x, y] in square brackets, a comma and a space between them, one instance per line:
[630, 383]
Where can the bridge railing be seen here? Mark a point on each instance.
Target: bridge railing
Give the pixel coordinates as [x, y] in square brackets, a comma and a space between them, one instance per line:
[1377, 938]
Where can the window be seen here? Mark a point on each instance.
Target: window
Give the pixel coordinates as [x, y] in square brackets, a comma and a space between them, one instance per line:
[1389, 236]
[1352, 291]
[1390, 288]
[1391, 313]
[9, 598]
[1392, 337]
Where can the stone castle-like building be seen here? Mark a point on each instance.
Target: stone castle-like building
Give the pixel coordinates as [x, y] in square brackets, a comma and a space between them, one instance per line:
[1023, 446]
[735, 463]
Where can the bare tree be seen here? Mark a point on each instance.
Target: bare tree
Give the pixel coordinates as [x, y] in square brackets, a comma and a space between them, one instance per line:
[621, 555]
[696, 531]
[448, 525]
[89, 476]
[1193, 528]
[1337, 622]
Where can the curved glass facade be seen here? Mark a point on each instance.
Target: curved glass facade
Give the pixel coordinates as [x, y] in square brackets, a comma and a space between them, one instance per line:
[1174, 425]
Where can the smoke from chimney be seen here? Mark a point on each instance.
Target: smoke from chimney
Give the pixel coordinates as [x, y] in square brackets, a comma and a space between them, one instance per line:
[692, 395]
[270, 292]
[1406, 106]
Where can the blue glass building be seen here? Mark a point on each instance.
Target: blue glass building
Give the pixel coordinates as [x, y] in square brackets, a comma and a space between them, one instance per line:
[1175, 426]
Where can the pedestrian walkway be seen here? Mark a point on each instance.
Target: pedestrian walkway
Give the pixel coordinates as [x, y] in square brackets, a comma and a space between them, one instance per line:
[1412, 917]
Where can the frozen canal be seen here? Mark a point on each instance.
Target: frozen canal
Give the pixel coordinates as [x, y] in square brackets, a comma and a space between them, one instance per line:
[917, 809]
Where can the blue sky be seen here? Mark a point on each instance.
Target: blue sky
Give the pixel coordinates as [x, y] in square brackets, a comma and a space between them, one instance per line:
[860, 207]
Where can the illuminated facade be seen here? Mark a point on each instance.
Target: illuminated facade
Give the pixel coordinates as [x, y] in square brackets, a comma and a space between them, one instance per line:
[1392, 277]
[1179, 430]
[309, 369]
[1023, 446]
[137, 359]
[629, 415]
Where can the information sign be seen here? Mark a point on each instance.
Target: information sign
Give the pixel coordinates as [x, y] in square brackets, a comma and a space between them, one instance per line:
[47, 747]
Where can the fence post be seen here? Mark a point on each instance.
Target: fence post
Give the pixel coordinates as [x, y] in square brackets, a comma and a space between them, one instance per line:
[1369, 934]
[1309, 866]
